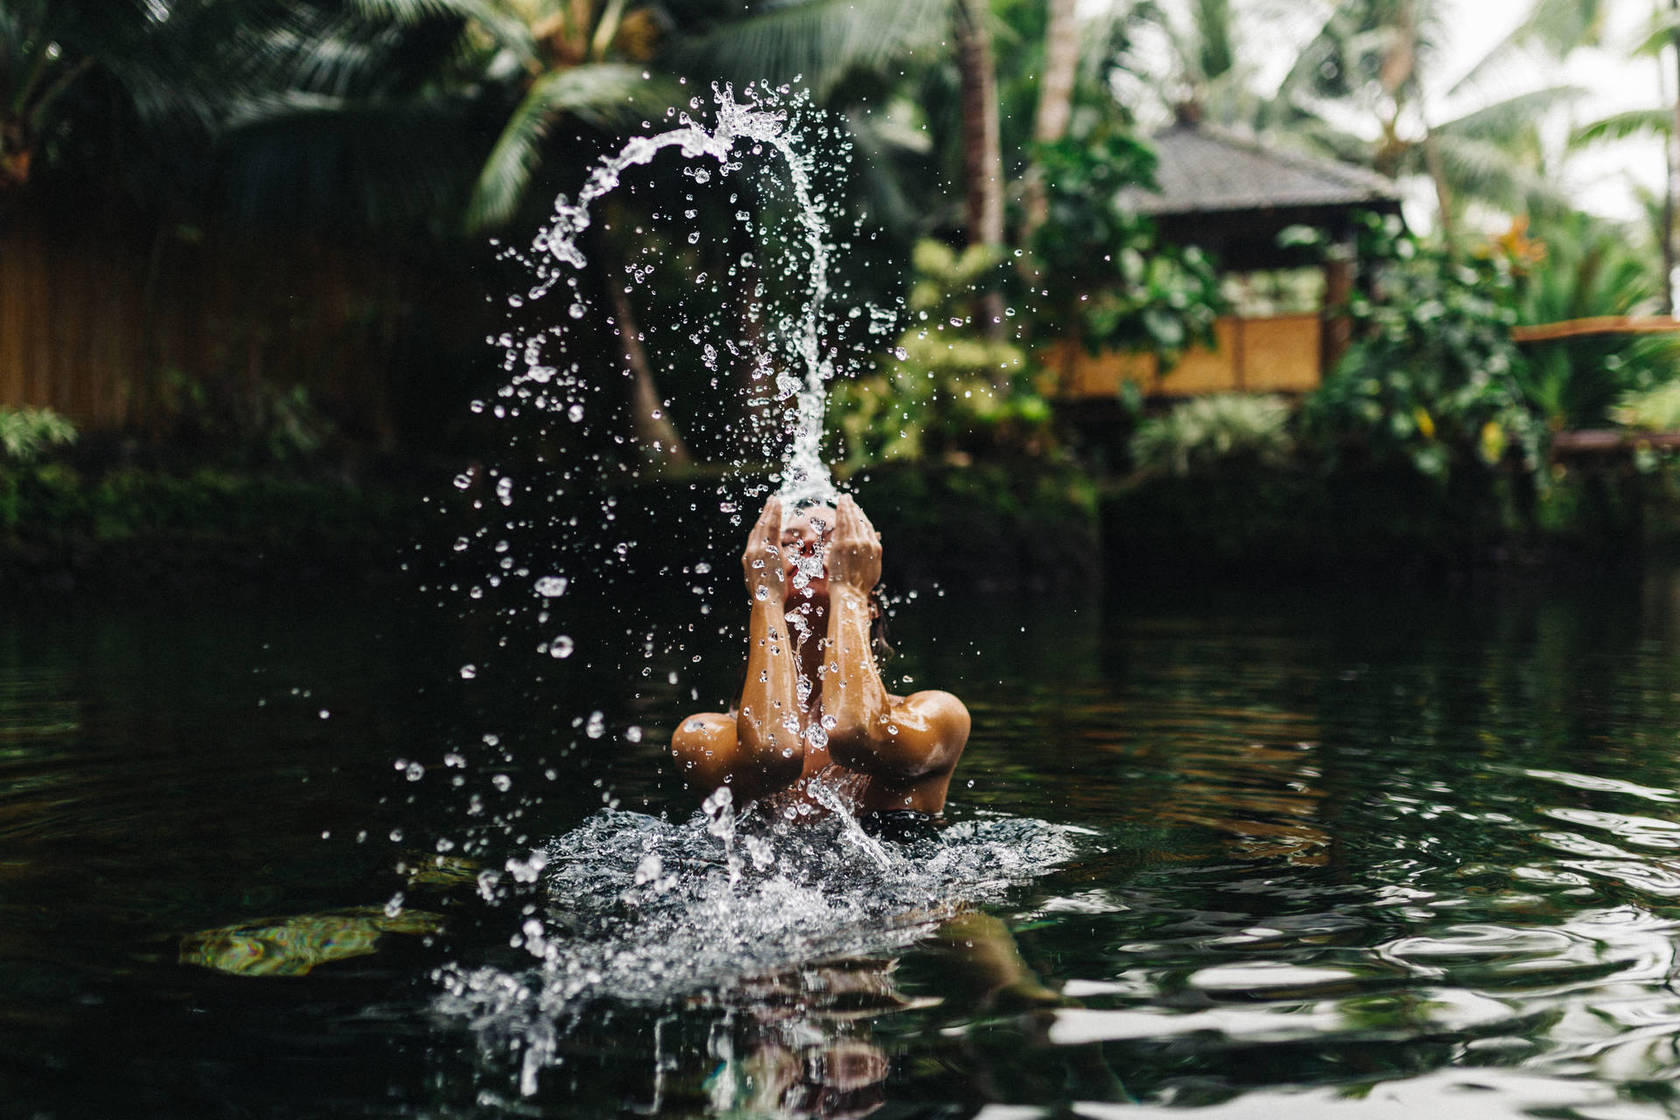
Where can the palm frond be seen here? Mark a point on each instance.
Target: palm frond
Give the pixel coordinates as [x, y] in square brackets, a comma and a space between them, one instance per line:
[507, 30]
[884, 147]
[819, 41]
[1503, 118]
[1660, 33]
[1555, 27]
[1623, 126]
[603, 94]
[1486, 171]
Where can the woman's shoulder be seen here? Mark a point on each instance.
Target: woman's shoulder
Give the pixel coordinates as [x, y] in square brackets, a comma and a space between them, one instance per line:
[934, 704]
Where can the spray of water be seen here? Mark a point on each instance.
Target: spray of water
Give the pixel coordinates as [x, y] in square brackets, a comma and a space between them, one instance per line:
[640, 913]
[760, 119]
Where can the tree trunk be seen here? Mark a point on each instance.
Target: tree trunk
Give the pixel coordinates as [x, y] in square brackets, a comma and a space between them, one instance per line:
[1438, 176]
[650, 422]
[982, 150]
[1055, 100]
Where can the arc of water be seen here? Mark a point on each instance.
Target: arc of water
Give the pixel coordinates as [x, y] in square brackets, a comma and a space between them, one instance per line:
[804, 475]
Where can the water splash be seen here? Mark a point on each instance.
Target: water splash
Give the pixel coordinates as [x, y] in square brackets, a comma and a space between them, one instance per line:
[635, 911]
[763, 117]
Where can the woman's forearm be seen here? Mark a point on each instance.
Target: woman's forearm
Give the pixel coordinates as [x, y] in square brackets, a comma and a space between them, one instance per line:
[853, 695]
[767, 720]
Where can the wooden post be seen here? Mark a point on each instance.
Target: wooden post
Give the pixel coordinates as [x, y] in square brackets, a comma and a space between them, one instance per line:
[1339, 267]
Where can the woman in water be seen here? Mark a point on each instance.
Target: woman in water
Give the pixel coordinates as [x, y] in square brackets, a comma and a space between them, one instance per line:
[813, 708]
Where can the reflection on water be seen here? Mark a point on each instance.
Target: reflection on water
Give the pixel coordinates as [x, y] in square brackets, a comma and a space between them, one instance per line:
[1386, 852]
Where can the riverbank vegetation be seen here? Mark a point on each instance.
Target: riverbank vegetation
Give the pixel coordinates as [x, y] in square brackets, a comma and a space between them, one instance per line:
[266, 228]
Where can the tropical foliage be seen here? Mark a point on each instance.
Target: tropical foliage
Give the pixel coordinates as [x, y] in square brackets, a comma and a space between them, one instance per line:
[1221, 432]
[26, 434]
[945, 391]
[1434, 379]
[1105, 279]
[1578, 267]
[991, 152]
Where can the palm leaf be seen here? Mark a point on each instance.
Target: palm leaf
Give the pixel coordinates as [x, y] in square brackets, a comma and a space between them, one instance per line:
[507, 30]
[885, 147]
[1556, 27]
[1486, 170]
[603, 94]
[1510, 116]
[1622, 126]
[819, 41]
[1659, 33]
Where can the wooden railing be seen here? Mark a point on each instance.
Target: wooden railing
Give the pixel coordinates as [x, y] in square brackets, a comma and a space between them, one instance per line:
[1278, 354]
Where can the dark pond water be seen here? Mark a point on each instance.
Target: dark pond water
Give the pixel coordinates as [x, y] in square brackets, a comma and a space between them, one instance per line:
[1399, 853]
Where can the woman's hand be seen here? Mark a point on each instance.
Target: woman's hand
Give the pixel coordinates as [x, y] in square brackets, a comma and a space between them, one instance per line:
[762, 561]
[854, 551]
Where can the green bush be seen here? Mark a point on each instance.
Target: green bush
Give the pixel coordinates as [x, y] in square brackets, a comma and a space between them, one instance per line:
[28, 433]
[1650, 410]
[1202, 435]
[1103, 275]
[1434, 378]
[946, 391]
[1018, 524]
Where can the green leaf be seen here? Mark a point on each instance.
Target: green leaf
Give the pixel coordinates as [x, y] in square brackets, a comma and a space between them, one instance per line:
[606, 95]
[817, 41]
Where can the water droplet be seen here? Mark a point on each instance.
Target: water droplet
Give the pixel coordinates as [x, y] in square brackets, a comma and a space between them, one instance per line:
[550, 587]
[468, 672]
[561, 647]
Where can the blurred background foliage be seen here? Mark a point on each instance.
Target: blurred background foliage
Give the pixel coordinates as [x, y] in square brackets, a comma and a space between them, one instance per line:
[990, 139]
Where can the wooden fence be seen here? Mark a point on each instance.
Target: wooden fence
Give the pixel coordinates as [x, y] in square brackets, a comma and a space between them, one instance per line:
[114, 326]
[1277, 354]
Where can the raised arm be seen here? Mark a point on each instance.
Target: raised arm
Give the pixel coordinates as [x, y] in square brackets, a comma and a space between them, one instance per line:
[760, 747]
[905, 741]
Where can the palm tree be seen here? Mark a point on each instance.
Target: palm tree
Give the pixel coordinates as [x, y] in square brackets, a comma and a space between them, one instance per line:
[1662, 35]
[587, 61]
[1374, 56]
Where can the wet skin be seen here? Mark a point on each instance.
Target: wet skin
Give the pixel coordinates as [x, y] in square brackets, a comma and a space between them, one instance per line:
[810, 667]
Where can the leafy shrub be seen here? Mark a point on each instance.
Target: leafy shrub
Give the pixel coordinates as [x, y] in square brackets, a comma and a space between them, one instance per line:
[1106, 277]
[1650, 410]
[247, 422]
[28, 433]
[1434, 378]
[946, 391]
[1207, 433]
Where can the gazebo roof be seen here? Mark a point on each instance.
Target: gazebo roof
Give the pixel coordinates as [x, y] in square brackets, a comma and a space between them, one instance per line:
[1205, 170]
[1234, 195]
